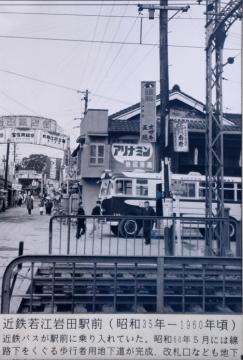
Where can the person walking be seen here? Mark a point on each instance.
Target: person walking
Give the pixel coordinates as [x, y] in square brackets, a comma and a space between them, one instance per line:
[49, 206]
[41, 206]
[96, 212]
[29, 203]
[81, 222]
[147, 224]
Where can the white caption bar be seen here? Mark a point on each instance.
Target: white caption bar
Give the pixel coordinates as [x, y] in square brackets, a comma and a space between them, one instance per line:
[120, 336]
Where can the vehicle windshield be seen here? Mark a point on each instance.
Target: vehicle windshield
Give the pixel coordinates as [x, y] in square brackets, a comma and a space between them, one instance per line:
[123, 187]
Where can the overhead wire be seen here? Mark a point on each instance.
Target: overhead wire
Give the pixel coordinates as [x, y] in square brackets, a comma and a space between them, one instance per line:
[103, 42]
[91, 46]
[46, 82]
[117, 54]
[91, 15]
[99, 48]
[19, 102]
[114, 36]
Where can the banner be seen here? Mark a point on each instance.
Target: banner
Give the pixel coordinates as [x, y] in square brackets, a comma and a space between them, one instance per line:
[57, 141]
[148, 112]
[3, 138]
[23, 136]
[180, 135]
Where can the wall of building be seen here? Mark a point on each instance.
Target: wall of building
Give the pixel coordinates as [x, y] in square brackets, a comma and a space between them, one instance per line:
[95, 121]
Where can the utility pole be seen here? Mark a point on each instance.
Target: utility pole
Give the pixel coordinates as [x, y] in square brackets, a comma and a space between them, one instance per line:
[6, 166]
[163, 147]
[86, 101]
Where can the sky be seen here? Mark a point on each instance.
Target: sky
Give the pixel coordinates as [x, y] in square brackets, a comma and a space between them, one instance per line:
[111, 72]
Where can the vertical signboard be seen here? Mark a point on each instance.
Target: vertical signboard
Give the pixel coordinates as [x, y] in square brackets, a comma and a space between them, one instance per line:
[148, 112]
[180, 135]
[53, 168]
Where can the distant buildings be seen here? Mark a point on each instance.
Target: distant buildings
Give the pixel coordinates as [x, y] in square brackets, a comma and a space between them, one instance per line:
[112, 142]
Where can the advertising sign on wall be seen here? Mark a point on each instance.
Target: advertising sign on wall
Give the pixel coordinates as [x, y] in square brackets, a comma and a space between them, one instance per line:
[132, 156]
[148, 112]
[180, 135]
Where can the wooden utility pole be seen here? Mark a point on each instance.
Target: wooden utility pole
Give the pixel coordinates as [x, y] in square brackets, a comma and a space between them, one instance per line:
[163, 198]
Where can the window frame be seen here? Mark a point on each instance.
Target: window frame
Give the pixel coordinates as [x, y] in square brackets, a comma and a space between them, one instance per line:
[96, 157]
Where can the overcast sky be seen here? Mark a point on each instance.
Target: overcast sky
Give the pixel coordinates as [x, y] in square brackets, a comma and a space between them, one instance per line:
[113, 71]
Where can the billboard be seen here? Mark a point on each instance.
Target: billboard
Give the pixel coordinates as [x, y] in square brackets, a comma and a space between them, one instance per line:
[132, 156]
[148, 112]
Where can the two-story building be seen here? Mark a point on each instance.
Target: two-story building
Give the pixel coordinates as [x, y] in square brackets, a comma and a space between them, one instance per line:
[112, 142]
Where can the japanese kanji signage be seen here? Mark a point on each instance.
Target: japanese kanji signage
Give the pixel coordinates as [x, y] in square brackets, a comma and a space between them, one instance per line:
[132, 156]
[120, 336]
[53, 168]
[148, 112]
[180, 135]
[32, 130]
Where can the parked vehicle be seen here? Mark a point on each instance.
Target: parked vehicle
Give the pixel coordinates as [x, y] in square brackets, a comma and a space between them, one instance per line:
[124, 194]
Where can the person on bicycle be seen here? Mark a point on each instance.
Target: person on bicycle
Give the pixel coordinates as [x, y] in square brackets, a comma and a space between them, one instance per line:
[81, 222]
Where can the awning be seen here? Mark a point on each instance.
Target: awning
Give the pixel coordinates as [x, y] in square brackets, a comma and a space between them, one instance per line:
[75, 151]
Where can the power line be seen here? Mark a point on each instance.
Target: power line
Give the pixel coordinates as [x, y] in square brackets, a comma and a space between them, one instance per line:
[18, 102]
[102, 42]
[89, 4]
[58, 86]
[92, 15]
[91, 44]
[117, 54]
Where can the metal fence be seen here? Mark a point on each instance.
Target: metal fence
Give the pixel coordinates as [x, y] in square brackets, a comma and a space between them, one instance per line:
[124, 236]
[76, 284]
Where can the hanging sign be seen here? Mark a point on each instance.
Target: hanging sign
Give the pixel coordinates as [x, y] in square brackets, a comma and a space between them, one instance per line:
[180, 135]
[54, 140]
[148, 112]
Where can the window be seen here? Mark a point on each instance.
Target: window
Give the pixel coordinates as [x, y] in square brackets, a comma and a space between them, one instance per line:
[142, 187]
[188, 190]
[239, 192]
[124, 187]
[228, 191]
[97, 154]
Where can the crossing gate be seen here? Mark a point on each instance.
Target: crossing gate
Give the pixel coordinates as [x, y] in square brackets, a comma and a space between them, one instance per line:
[76, 284]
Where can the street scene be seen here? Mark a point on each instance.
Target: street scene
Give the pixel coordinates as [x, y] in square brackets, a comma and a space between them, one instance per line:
[121, 157]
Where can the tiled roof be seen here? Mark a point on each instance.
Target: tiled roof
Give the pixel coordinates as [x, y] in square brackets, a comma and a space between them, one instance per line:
[133, 125]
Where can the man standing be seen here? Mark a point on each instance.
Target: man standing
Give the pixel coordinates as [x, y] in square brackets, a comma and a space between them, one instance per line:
[29, 203]
[95, 212]
[147, 224]
[81, 222]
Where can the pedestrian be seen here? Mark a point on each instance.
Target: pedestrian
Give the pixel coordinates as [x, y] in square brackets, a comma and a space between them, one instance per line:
[81, 222]
[20, 200]
[41, 206]
[96, 212]
[147, 224]
[29, 203]
[49, 206]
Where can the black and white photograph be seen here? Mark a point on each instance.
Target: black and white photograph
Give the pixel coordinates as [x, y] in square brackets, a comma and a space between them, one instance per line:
[121, 158]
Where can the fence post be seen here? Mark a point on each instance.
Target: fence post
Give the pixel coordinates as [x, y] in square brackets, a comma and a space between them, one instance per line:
[50, 235]
[160, 285]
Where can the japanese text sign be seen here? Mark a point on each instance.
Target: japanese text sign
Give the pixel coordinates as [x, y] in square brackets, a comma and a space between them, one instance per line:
[131, 156]
[148, 112]
[180, 135]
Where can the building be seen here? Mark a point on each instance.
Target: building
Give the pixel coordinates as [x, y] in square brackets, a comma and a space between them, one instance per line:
[112, 142]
